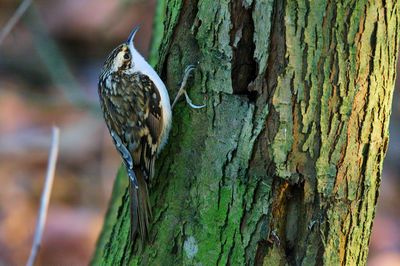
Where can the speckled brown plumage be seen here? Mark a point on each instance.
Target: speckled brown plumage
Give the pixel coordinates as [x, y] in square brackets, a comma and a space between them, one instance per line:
[133, 112]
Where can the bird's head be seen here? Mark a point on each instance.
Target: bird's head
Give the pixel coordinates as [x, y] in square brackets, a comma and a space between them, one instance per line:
[122, 58]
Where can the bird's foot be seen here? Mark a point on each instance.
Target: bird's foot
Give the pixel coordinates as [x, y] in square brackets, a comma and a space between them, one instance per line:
[189, 69]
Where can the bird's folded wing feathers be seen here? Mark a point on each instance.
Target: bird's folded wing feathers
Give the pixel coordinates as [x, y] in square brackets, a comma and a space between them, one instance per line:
[135, 118]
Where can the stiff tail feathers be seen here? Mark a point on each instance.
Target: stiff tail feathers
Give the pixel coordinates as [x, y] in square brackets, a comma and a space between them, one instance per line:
[139, 205]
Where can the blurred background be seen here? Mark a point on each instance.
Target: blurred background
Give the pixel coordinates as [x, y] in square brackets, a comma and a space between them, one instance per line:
[49, 65]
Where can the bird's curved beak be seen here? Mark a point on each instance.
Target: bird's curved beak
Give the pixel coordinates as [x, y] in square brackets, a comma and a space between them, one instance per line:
[132, 35]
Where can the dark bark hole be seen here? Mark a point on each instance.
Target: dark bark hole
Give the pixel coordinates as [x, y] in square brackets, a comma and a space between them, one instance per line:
[261, 252]
[295, 221]
[244, 66]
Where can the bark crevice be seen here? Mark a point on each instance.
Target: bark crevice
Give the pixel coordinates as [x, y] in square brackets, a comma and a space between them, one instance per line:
[244, 66]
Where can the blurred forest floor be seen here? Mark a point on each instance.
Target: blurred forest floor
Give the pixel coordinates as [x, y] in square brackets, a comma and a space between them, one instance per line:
[49, 65]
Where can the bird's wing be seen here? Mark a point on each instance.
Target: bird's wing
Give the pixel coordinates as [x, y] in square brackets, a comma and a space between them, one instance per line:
[133, 113]
[152, 121]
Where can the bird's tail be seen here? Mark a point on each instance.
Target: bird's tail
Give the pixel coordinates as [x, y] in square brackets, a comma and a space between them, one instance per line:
[140, 205]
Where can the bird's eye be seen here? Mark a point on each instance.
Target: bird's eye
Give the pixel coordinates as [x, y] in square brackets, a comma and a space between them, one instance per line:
[127, 56]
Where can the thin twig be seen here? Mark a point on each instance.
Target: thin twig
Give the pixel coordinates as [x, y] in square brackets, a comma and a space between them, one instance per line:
[14, 19]
[44, 201]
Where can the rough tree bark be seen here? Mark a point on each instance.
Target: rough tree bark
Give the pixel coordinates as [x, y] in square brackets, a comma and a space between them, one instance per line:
[283, 165]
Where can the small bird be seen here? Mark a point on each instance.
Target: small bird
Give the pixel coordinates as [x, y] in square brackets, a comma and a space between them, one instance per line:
[138, 114]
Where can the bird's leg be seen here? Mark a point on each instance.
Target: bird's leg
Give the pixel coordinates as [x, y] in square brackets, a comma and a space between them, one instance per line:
[182, 89]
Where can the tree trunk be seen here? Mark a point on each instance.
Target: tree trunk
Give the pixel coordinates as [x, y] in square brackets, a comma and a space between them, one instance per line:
[283, 165]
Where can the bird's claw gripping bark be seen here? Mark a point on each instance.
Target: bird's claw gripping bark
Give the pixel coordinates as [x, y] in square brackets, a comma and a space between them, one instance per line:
[189, 69]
